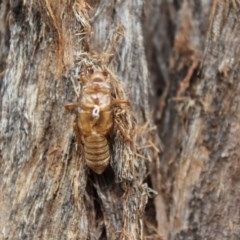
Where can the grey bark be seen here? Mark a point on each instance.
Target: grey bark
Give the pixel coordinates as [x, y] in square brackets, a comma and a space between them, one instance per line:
[46, 190]
[194, 61]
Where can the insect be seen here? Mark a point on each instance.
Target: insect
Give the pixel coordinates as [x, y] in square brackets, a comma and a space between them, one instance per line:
[95, 118]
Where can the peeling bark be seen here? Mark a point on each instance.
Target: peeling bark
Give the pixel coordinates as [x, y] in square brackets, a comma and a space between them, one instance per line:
[190, 52]
[197, 113]
[47, 191]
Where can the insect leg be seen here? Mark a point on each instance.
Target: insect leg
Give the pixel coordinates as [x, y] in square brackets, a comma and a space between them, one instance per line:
[83, 77]
[120, 101]
[72, 106]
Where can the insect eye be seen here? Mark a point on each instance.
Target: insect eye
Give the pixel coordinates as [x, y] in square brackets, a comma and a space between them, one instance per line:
[105, 73]
[95, 112]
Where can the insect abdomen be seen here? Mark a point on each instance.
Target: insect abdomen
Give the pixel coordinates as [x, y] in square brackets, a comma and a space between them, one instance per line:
[96, 150]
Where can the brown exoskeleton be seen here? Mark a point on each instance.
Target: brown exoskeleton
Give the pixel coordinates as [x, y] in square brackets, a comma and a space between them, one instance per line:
[95, 118]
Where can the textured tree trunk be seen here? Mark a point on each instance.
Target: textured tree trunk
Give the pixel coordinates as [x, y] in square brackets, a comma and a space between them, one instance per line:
[47, 191]
[194, 63]
[192, 59]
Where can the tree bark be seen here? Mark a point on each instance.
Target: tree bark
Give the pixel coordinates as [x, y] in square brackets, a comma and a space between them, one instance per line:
[194, 62]
[47, 191]
[190, 52]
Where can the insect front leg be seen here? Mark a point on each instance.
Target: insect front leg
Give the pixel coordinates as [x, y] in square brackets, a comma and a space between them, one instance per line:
[72, 106]
[83, 77]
